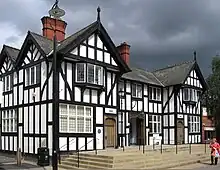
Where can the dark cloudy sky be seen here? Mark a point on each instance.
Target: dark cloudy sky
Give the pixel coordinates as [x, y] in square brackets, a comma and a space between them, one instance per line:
[160, 32]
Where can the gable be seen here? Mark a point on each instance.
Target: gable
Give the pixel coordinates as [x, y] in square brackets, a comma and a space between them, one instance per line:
[30, 51]
[193, 79]
[94, 48]
[7, 65]
[86, 36]
[32, 55]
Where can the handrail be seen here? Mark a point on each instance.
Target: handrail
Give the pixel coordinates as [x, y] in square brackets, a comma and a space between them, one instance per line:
[70, 142]
[78, 150]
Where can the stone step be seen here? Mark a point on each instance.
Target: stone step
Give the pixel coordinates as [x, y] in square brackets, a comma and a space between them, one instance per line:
[154, 162]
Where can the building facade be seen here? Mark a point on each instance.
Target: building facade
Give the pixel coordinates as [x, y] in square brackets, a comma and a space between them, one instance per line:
[208, 126]
[103, 100]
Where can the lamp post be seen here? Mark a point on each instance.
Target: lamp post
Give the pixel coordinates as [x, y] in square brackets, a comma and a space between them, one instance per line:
[56, 13]
[121, 94]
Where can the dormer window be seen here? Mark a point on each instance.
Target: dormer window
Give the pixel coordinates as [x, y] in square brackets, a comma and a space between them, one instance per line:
[90, 73]
[8, 82]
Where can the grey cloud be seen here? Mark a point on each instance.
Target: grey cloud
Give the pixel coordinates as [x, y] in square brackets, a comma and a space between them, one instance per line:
[160, 32]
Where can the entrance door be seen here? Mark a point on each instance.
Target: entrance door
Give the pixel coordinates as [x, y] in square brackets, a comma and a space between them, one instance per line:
[180, 132]
[110, 132]
[140, 131]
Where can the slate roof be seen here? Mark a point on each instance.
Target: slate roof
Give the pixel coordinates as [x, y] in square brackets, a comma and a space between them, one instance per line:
[142, 76]
[175, 74]
[12, 52]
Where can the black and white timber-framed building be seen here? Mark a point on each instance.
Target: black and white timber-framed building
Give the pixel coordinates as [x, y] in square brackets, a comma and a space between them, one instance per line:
[162, 105]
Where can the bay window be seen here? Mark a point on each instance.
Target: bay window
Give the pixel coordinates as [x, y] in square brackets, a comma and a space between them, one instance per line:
[189, 94]
[194, 124]
[155, 123]
[33, 75]
[136, 90]
[89, 73]
[75, 119]
[155, 93]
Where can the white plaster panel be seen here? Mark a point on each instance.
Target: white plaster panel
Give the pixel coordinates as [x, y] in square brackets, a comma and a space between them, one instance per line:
[25, 119]
[94, 96]
[37, 119]
[31, 121]
[145, 104]
[43, 118]
[128, 87]
[82, 51]
[50, 139]
[86, 96]
[128, 102]
[186, 135]
[99, 43]
[15, 143]
[81, 143]
[172, 141]
[99, 55]
[90, 143]
[31, 145]
[99, 115]
[172, 120]
[63, 143]
[50, 112]
[91, 53]
[26, 144]
[72, 144]
[150, 107]
[91, 40]
[102, 98]
[77, 94]
[11, 143]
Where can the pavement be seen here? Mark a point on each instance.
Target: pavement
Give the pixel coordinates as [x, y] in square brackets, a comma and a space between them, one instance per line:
[199, 166]
[9, 163]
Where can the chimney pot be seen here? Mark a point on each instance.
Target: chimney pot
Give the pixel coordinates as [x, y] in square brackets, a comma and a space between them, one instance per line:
[124, 51]
[53, 25]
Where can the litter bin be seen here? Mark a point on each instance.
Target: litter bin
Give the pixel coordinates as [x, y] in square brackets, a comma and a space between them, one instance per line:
[43, 156]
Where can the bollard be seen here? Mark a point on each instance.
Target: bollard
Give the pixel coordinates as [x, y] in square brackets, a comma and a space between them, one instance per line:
[205, 146]
[176, 149]
[19, 156]
[190, 149]
[143, 148]
[153, 143]
[161, 147]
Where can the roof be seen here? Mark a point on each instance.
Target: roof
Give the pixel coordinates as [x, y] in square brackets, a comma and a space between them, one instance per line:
[12, 52]
[175, 74]
[142, 76]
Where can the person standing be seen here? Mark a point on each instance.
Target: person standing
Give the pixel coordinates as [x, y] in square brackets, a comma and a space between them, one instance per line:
[215, 147]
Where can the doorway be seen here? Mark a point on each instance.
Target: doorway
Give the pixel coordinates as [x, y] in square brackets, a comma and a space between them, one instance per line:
[140, 131]
[110, 130]
[180, 132]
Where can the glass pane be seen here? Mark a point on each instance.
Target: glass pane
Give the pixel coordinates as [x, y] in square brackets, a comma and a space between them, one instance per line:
[154, 93]
[80, 67]
[32, 75]
[80, 124]
[154, 127]
[27, 76]
[139, 90]
[38, 72]
[88, 111]
[63, 109]
[72, 124]
[90, 73]
[80, 110]
[150, 92]
[63, 123]
[150, 126]
[7, 83]
[72, 110]
[88, 125]
[134, 92]
[158, 94]
[159, 127]
[98, 75]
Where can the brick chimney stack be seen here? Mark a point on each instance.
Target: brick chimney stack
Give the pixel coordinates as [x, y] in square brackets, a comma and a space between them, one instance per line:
[53, 25]
[124, 51]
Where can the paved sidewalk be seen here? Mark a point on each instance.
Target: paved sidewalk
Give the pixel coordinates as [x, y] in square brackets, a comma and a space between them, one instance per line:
[9, 163]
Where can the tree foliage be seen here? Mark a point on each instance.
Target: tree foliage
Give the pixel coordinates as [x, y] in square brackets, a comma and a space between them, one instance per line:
[212, 96]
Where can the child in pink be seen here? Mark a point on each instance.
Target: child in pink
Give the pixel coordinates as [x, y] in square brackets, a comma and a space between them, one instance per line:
[215, 147]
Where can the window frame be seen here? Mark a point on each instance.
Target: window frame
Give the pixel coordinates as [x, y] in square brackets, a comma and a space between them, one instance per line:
[76, 118]
[29, 74]
[8, 82]
[136, 90]
[9, 121]
[190, 94]
[155, 93]
[86, 74]
[157, 121]
[194, 124]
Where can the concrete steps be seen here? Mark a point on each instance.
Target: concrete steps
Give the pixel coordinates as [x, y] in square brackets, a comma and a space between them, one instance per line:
[133, 158]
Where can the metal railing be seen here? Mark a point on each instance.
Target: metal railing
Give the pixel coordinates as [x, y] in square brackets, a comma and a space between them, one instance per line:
[70, 142]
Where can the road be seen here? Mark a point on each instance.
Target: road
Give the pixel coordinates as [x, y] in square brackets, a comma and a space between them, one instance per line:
[199, 166]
